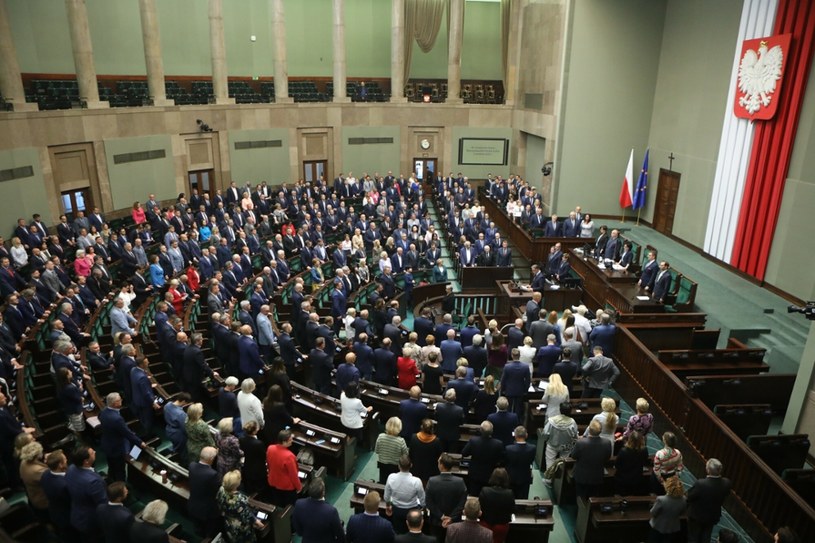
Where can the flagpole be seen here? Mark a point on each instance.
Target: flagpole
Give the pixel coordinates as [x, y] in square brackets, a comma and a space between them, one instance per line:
[638, 216]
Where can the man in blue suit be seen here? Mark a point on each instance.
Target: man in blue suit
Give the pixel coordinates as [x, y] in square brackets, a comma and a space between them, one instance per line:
[423, 326]
[614, 246]
[662, 283]
[515, 382]
[451, 351]
[466, 255]
[412, 411]
[465, 389]
[649, 272]
[538, 279]
[603, 335]
[476, 355]
[87, 491]
[503, 421]
[59, 500]
[571, 226]
[385, 364]
[339, 304]
[515, 335]
[388, 286]
[144, 399]
[322, 363]
[365, 356]
[316, 520]
[369, 527]
[519, 458]
[250, 361]
[114, 518]
[117, 437]
[552, 228]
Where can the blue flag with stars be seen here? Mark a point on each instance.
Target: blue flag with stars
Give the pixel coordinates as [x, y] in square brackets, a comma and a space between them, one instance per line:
[642, 184]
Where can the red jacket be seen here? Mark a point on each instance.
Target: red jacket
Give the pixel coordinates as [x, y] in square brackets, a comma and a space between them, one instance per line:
[282, 465]
[406, 372]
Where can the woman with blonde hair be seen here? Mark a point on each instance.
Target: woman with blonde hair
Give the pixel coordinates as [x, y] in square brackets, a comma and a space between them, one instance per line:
[556, 394]
[230, 453]
[239, 518]
[31, 469]
[198, 434]
[642, 421]
[527, 353]
[484, 403]
[246, 202]
[389, 448]
[607, 418]
[384, 261]
[406, 370]
[563, 320]
[19, 256]
[430, 347]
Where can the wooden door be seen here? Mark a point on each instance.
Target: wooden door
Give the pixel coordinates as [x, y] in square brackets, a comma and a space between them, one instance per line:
[667, 195]
[75, 177]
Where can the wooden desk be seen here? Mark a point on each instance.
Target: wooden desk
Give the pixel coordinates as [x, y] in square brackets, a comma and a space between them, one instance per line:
[528, 524]
[617, 288]
[628, 521]
[483, 277]
[555, 297]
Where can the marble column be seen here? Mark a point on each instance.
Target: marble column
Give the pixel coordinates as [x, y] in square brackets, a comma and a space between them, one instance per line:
[217, 47]
[514, 52]
[398, 51]
[454, 51]
[83, 54]
[338, 38]
[152, 53]
[281, 69]
[11, 84]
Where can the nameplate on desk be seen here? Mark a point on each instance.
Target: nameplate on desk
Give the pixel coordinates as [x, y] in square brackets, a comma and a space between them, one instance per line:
[311, 433]
[531, 388]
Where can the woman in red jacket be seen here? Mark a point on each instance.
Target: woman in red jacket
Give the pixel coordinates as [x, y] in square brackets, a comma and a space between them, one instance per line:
[193, 279]
[178, 298]
[406, 370]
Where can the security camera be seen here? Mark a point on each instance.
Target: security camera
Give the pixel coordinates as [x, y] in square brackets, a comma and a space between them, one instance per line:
[547, 169]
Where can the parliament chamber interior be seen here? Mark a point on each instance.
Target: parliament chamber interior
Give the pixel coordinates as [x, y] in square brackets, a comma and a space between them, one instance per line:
[390, 270]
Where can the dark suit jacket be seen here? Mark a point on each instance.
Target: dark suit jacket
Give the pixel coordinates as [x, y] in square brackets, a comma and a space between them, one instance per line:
[59, 500]
[504, 422]
[519, 461]
[114, 522]
[116, 435]
[144, 532]
[591, 454]
[449, 417]
[445, 496]
[317, 521]
[204, 484]
[465, 391]
[515, 379]
[254, 463]
[414, 538]
[193, 369]
[468, 532]
[705, 499]
[662, 285]
[87, 490]
[363, 528]
[411, 412]
[486, 454]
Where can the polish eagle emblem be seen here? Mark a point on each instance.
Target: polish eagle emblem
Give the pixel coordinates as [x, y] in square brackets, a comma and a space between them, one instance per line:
[759, 77]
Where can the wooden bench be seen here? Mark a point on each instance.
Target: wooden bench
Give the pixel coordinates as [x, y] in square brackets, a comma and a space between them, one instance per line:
[563, 486]
[781, 452]
[714, 361]
[745, 419]
[768, 388]
[802, 481]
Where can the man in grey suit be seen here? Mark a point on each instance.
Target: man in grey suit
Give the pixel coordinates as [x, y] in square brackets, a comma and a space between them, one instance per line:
[445, 496]
[214, 300]
[469, 530]
[121, 320]
[540, 329]
[591, 454]
[599, 373]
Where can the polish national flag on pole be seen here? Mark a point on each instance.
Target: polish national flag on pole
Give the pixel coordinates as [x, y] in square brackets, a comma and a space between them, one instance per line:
[627, 190]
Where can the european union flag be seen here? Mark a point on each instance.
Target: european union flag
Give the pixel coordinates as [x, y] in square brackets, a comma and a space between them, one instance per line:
[642, 184]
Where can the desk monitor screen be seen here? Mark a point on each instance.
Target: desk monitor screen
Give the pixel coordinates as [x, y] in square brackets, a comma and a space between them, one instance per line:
[383, 391]
[135, 452]
[301, 474]
[362, 491]
[261, 516]
[425, 400]
[311, 433]
[335, 440]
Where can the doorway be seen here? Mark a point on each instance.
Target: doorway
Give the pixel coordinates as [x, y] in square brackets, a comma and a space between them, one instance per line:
[667, 195]
[203, 181]
[76, 200]
[425, 169]
[314, 170]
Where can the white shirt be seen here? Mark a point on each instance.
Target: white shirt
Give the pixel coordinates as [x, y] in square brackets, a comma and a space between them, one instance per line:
[250, 408]
[352, 410]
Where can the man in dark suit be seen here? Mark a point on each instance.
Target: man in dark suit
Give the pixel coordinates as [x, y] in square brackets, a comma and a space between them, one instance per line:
[59, 500]
[314, 519]
[415, 522]
[117, 437]
[469, 530]
[515, 381]
[385, 364]
[603, 334]
[194, 368]
[144, 399]
[503, 421]
[591, 454]
[649, 272]
[705, 500]
[423, 326]
[465, 389]
[519, 458]
[322, 364]
[485, 453]
[444, 496]
[476, 355]
[449, 418]
[412, 411]
[393, 331]
[388, 286]
[250, 361]
[662, 282]
[515, 335]
[114, 518]
[87, 491]
[614, 246]
[538, 279]
[552, 228]
[204, 484]
[369, 527]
